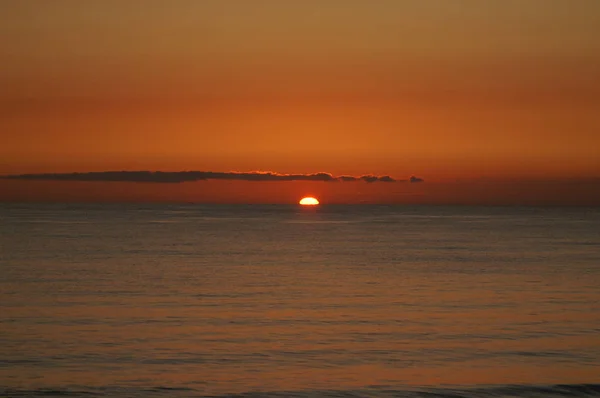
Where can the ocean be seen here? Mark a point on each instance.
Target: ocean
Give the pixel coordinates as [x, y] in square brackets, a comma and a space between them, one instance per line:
[165, 300]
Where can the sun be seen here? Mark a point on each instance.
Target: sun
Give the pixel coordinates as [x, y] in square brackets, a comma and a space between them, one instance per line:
[309, 201]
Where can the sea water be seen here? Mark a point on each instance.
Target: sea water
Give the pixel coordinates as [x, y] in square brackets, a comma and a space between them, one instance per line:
[274, 300]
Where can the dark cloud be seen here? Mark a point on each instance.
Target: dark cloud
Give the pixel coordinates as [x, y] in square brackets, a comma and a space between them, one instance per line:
[369, 178]
[372, 178]
[186, 176]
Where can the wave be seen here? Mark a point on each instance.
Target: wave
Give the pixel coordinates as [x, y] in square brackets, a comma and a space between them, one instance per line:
[501, 391]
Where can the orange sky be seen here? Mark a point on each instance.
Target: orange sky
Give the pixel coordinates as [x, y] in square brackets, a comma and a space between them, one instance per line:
[496, 90]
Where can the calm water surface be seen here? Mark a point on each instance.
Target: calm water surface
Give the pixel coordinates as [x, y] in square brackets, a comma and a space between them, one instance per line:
[190, 300]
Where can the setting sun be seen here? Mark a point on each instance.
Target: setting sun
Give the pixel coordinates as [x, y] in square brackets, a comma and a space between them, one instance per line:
[309, 201]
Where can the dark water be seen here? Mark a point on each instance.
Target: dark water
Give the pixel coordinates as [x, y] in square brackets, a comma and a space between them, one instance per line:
[283, 301]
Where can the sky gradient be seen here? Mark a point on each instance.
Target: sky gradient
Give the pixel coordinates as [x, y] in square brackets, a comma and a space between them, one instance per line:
[501, 92]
